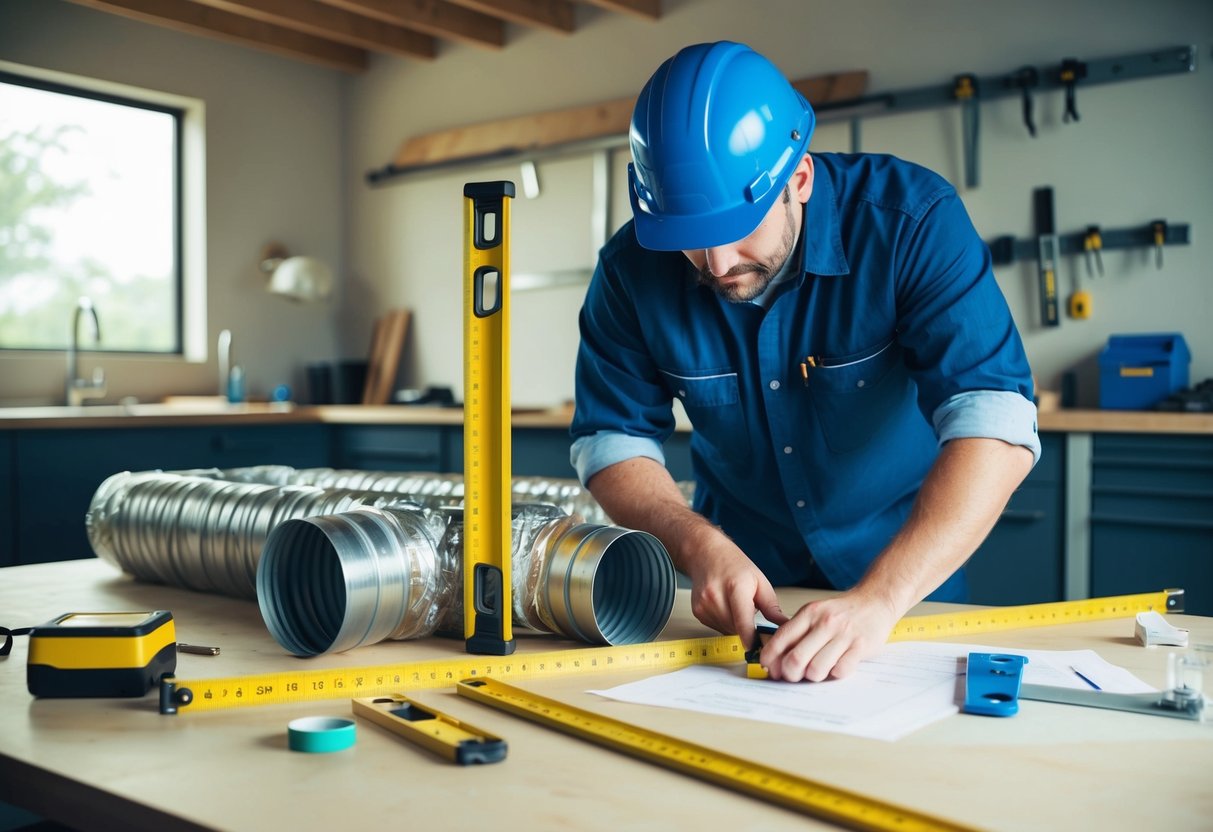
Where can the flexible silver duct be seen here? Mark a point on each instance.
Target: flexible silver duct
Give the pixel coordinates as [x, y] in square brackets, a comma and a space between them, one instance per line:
[341, 568]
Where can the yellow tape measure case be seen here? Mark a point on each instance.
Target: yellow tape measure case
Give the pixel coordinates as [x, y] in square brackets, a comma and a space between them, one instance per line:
[82, 654]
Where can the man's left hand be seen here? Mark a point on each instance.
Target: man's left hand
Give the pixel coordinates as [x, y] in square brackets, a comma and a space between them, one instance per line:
[829, 638]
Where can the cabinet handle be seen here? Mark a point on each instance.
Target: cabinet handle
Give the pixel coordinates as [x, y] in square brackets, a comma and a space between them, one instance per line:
[225, 444]
[402, 455]
[1022, 516]
[1160, 522]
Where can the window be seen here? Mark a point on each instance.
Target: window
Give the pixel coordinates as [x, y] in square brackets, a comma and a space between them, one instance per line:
[90, 206]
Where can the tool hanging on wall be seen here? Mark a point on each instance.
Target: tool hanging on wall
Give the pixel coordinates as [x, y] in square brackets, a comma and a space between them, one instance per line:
[1092, 243]
[1047, 253]
[1072, 71]
[487, 592]
[967, 93]
[1007, 249]
[1159, 229]
[1026, 79]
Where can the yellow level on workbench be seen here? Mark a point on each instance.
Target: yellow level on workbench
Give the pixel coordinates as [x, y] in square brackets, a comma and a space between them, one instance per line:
[181, 695]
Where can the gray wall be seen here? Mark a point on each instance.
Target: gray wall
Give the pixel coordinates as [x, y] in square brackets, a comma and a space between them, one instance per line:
[274, 172]
[1140, 151]
[289, 143]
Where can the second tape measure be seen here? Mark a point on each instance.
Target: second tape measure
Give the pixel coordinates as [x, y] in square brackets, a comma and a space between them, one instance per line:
[182, 695]
[792, 791]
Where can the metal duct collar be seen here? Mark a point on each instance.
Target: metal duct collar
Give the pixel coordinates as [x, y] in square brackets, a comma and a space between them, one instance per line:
[609, 585]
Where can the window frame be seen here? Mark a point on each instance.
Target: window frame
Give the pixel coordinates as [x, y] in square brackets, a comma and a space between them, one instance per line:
[179, 113]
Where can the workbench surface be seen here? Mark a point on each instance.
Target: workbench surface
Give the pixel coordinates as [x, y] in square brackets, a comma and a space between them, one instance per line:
[115, 764]
[113, 416]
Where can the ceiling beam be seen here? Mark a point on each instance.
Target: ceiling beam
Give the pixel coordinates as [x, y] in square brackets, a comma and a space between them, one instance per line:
[434, 17]
[647, 9]
[191, 18]
[315, 18]
[554, 15]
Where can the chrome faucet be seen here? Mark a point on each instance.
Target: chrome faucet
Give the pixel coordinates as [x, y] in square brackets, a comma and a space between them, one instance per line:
[79, 389]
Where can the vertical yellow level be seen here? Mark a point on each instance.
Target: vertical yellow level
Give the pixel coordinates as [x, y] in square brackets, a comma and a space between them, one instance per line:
[487, 602]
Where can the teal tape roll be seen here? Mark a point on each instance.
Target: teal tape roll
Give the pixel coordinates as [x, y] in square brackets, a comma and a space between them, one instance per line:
[318, 734]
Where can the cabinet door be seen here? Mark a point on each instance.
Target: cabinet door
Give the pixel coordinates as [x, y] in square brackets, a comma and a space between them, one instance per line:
[8, 504]
[390, 448]
[1021, 562]
[59, 471]
[299, 446]
[1152, 516]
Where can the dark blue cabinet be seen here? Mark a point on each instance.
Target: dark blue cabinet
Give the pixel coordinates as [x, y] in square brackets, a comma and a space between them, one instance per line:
[8, 517]
[58, 471]
[1152, 516]
[392, 448]
[1022, 560]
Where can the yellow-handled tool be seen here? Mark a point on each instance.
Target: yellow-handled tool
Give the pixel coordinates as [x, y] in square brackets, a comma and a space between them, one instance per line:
[487, 598]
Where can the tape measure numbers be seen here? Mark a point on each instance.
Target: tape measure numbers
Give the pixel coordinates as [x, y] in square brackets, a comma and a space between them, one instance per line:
[487, 601]
[182, 695]
[188, 696]
[769, 784]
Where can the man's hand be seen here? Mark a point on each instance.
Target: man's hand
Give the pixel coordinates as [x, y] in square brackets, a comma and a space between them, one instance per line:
[727, 588]
[828, 638]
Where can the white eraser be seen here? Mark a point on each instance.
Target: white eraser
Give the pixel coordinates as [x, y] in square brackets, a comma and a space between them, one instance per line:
[1152, 630]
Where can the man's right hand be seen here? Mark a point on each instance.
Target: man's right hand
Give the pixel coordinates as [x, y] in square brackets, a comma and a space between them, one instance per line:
[727, 588]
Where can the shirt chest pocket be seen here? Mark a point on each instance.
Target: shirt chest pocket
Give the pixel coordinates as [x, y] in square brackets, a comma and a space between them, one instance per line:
[712, 400]
[855, 395]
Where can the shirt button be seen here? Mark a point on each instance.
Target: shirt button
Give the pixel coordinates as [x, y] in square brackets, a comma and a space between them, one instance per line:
[774, 385]
[800, 504]
[682, 394]
[787, 449]
[859, 383]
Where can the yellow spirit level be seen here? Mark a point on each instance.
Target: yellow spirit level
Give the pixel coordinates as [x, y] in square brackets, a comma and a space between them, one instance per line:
[433, 730]
[487, 601]
[101, 654]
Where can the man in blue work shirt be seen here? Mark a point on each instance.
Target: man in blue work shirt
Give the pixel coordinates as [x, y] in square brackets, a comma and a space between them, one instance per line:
[861, 401]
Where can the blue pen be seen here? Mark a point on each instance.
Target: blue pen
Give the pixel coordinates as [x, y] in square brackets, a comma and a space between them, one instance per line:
[1078, 673]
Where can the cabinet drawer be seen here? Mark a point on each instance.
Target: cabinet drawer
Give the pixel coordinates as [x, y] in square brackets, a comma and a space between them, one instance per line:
[1178, 463]
[1129, 557]
[1021, 561]
[390, 448]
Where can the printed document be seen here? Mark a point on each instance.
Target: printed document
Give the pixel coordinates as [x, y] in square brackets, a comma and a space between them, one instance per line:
[909, 685]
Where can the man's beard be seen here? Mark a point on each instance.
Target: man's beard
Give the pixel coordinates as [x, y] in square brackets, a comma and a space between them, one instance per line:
[764, 271]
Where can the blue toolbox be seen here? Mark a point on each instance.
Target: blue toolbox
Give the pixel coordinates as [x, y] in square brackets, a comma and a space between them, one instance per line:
[1138, 371]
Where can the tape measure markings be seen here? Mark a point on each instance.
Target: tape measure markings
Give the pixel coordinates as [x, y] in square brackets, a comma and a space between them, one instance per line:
[770, 784]
[343, 682]
[487, 601]
[337, 683]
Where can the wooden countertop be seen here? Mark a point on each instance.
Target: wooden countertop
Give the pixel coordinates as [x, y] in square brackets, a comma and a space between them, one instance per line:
[125, 416]
[105, 764]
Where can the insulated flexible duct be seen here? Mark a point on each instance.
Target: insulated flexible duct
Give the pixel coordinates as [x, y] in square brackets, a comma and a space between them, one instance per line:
[341, 568]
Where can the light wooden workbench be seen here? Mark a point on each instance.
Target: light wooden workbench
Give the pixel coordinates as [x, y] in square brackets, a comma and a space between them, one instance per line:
[118, 765]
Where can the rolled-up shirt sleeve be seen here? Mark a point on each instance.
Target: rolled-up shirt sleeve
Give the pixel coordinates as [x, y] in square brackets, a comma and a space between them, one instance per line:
[989, 414]
[590, 454]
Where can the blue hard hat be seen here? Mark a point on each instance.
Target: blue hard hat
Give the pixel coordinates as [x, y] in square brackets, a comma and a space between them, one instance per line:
[715, 136]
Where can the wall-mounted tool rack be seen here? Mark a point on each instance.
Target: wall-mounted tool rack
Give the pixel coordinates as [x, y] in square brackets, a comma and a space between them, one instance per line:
[1007, 249]
[967, 90]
